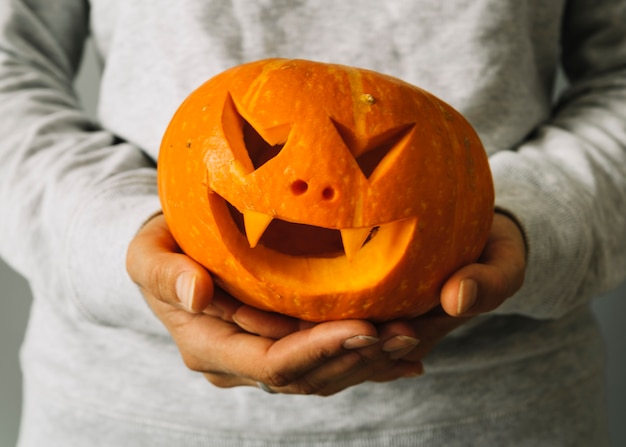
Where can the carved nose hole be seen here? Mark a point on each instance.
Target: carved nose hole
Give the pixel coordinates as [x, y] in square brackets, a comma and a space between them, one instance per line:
[299, 187]
[328, 193]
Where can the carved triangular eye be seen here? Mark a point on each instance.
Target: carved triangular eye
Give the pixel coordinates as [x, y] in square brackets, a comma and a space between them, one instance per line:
[259, 150]
[252, 144]
[370, 153]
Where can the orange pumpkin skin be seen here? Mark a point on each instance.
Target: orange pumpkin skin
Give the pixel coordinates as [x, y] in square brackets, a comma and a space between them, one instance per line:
[325, 192]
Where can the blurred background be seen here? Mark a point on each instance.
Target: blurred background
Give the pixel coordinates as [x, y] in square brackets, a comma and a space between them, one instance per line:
[15, 296]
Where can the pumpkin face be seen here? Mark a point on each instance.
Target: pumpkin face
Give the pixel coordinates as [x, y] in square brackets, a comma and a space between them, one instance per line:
[323, 191]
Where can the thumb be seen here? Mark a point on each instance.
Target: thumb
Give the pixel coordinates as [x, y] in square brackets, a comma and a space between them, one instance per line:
[154, 262]
[498, 274]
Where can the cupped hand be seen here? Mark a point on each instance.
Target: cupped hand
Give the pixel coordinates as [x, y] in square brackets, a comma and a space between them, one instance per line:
[474, 289]
[233, 344]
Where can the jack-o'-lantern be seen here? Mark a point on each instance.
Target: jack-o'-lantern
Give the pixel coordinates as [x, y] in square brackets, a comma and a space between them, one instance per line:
[323, 191]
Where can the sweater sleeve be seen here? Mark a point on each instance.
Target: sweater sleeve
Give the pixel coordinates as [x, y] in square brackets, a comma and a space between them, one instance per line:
[566, 184]
[72, 195]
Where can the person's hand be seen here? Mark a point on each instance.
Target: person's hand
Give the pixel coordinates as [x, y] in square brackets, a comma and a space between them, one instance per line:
[474, 289]
[499, 273]
[233, 344]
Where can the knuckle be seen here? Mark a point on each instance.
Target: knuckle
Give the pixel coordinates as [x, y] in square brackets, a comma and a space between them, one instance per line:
[276, 378]
[307, 387]
[301, 385]
[362, 358]
[155, 280]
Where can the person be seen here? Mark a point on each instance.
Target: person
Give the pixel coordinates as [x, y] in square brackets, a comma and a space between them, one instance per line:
[129, 343]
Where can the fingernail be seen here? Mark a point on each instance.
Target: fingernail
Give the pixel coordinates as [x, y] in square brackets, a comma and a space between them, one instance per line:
[185, 288]
[468, 290]
[242, 324]
[360, 341]
[400, 343]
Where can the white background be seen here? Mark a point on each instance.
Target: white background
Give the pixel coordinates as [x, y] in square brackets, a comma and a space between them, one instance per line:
[15, 299]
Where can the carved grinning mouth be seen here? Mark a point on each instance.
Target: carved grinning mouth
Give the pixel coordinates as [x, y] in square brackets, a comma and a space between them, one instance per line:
[298, 255]
[298, 239]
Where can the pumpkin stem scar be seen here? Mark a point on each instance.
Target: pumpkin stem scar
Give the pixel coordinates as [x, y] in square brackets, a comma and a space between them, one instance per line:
[367, 98]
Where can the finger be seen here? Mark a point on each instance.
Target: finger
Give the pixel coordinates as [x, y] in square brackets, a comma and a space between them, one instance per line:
[347, 371]
[330, 378]
[268, 324]
[228, 380]
[431, 329]
[321, 348]
[336, 374]
[484, 285]
[212, 345]
[398, 337]
[222, 305]
[402, 369]
[155, 263]
[378, 361]
[383, 368]
[340, 373]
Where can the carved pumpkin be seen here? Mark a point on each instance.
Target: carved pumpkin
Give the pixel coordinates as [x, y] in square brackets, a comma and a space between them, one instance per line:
[324, 191]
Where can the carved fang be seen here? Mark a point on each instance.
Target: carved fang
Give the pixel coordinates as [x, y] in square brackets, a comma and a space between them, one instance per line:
[255, 224]
[353, 239]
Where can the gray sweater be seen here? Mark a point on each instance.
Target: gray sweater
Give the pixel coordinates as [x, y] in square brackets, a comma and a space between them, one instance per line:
[99, 368]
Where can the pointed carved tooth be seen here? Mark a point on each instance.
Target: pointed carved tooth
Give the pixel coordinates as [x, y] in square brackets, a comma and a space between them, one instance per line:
[255, 223]
[353, 239]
